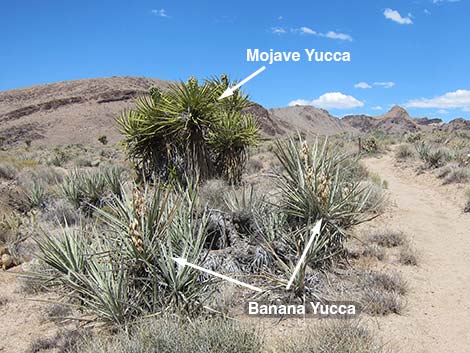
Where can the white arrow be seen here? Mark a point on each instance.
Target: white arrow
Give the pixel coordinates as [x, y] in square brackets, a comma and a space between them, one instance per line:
[315, 231]
[229, 91]
[184, 262]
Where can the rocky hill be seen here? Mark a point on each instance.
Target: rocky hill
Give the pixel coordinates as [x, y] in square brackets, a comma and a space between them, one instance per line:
[456, 124]
[71, 111]
[396, 120]
[309, 120]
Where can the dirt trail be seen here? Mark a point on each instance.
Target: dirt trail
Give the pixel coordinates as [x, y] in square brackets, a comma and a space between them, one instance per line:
[437, 317]
[22, 318]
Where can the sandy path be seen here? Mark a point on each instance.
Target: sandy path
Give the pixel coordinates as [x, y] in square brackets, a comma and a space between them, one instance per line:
[22, 319]
[437, 318]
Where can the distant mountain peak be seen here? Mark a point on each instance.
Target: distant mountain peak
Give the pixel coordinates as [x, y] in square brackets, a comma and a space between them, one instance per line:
[397, 112]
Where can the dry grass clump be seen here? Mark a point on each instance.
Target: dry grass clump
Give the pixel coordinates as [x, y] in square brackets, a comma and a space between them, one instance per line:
[387, 238]
[3, 300]
[458, 175]
[335, 336]
[167, 335]
[57, 311]
[8, 170]
[64, 341]
[61, 212]
[408, 255]
[212, 193]
[382, 293]
[374, 251]
[404, 152]
[466, 208]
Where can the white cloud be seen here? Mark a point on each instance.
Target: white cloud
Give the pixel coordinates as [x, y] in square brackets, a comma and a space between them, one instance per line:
[450, 100]
[377, 107]
[280, 18]
[341, 36]
[388, 84]
[362, 85]
[329, 34]
[442, 111]
[160, 13]
[307, 30]
[331, 100]
[278, 30]
[427, 12]
[395, 16]
[440, 1]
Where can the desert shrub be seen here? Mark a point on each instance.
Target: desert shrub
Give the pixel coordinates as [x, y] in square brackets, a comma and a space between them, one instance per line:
[369, 144]
[387, 237]
[3, 300]
[433, 157]
[382, 292]
[57, 311]
[414, 137]
[334, 336]
[83, 161]
[103, 139]
[466, 208]
[408, 255]
[374, 251]
[129, 270]
[404, 152]
[377, 180]
[254, 165]
[315, 185]
[47, 176]
[166, 335]
[212, 193]
[10, 229]
[8, 170]
[188, 130]
[380, 302]
[61, 211]
[457, 175]
[58, 157]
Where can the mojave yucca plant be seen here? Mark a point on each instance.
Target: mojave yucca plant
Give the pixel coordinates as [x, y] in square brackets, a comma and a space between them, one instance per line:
[187, 130]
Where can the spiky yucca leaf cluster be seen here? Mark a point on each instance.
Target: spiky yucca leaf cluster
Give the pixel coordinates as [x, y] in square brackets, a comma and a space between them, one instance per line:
[127, 270]
[315, 184]
[187, 130]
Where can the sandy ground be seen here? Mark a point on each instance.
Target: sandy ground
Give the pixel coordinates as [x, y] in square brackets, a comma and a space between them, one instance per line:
[22, 316]
[437, 318]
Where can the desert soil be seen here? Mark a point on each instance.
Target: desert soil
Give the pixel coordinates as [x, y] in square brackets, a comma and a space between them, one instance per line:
[22, 315]
[437, 315]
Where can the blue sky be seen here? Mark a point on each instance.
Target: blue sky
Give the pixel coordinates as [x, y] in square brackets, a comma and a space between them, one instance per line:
[412, 53]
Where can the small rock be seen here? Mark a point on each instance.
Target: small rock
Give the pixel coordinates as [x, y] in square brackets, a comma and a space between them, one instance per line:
[95, 163]
[4, 250]
[7, 261]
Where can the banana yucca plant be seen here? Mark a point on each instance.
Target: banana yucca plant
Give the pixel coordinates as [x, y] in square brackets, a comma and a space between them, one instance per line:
[315, 183]
[125, 269]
